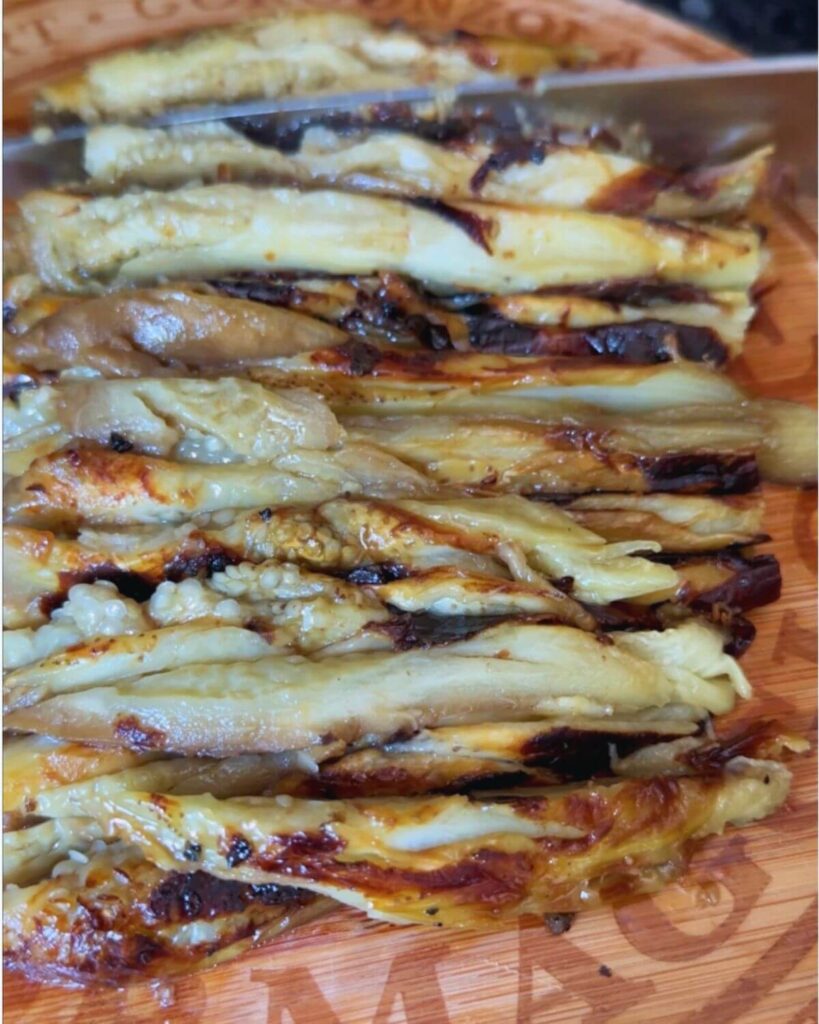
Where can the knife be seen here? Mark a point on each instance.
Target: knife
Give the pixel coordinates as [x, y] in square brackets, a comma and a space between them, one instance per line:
[691, 114]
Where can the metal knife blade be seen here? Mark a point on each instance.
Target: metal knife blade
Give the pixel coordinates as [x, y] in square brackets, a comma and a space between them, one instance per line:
[690, 113]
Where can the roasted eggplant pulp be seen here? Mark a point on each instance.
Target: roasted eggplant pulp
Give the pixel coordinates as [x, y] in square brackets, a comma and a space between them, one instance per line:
[398, 153]
[382, 521]
[291, 54]
[109, 916]
[78, 243]
[475, 861]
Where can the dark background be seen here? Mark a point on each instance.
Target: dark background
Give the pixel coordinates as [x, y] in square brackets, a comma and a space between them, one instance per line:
[758, 26]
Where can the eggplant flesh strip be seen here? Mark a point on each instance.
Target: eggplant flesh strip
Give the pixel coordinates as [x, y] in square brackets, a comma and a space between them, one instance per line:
[171, 921]
[399, 550]
[203, 327]
[684, 524]
[494, 755]
[75, 243]
[88, 484]
[307, 52]
[33, 764]
[140, 333]
[549, 750]
[524, 171]
[632, 322]
[100, 636]
[357, 377]
[457, 758]
[41, 567]
[189, 420]
[521, 457]
[449, 859]
[504, 538]
[31, 853]
[505, 756]
[275, 704]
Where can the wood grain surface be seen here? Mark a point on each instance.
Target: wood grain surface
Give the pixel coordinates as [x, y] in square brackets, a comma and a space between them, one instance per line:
[736, 941]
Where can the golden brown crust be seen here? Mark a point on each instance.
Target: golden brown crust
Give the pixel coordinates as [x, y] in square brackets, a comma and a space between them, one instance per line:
[449, 859]
[118, 918]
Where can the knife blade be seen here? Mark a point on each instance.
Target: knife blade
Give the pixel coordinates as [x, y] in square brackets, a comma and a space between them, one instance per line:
[691, 114]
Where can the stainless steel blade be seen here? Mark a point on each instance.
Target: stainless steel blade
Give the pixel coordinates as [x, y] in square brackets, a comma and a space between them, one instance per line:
[690, 113]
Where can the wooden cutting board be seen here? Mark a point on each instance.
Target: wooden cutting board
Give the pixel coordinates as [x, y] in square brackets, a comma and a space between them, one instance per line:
[733, 943]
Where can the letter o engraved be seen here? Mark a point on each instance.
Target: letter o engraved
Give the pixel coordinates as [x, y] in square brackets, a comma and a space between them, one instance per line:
[551, 23]
[649, 930]
[764, 974]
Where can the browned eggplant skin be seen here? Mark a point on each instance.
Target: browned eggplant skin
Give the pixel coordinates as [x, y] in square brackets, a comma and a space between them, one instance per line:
[547, 758]
[394, 309]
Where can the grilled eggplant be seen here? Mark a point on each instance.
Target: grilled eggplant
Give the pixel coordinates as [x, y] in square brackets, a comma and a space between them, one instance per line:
[73, 242]
[110, 916]
[34, 764]
[453, 860]
[293, 53]
[97, 485]
[278, 704]
[370, 542]
[357, 156]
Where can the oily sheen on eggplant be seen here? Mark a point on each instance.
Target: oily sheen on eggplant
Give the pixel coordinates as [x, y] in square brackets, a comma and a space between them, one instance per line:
[378, 528]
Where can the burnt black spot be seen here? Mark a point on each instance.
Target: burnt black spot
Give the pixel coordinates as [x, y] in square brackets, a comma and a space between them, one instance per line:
[201, 896]
[375, 575]
[135, 735]
[574, 754]
[205, 563]
[272, 895]
[271, 290]
[362, 357]
[633, 291]
[192, 851]
[604, 971]
[422, 629]
[13, 390]
[753, 582]
[701, 473]
[620, 615]
[638, 342]
[119, 442]
[711, 758]
[147, 950]
[266, 515]
[429, 333]
[9, 313]
[129, 584]
[558, 924]
[518, 151]
[286, 132]
[564, 584]
[238, 851]
[741, 634]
